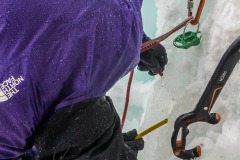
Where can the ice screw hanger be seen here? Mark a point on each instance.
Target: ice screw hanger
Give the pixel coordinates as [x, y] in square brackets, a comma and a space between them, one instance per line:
[189, 39]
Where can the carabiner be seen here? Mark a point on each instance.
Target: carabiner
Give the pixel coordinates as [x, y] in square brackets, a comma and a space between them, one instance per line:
[199, 11]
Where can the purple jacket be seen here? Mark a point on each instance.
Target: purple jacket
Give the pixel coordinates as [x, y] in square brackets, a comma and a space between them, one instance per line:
[54, 53]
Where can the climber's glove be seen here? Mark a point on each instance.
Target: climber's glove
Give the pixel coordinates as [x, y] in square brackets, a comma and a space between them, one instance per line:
[153, 60]
[132, 143]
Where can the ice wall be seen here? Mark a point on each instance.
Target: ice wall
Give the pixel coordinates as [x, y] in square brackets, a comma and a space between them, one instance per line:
[185, 78]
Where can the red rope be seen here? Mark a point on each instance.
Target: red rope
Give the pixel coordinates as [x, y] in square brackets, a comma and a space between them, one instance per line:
[127, 98]
[146, 46]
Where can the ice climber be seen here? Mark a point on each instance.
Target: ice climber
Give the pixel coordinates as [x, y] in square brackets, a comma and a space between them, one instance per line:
[58, 58]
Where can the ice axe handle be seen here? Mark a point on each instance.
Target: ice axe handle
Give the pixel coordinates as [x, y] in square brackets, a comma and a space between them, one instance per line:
[181, 127]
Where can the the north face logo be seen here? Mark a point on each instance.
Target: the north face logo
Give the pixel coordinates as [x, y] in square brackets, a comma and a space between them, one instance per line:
[3, 97]
[8, 88]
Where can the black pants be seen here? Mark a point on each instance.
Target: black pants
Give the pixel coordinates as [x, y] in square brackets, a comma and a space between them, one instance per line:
[89, 130]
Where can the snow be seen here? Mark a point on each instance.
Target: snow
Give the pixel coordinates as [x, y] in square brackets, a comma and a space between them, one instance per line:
[184, 80]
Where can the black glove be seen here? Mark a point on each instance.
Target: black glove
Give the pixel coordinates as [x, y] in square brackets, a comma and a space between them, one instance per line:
[135, 145]
[29, 155]
[153, 60]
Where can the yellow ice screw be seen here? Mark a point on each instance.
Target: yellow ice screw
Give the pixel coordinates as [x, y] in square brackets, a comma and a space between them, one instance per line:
[150, 129]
